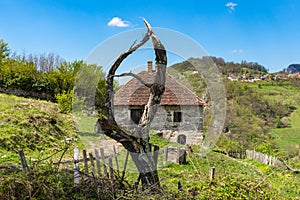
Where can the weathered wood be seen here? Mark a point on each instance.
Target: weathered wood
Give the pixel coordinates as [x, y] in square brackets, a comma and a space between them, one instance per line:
[103, 163]
[125, 166]
[92, 164]
[76, 166]
[212, 173]
[23, 160]
[86, 168]
[116, 158]
[72, 160]
[111, 170]
[296, 171]
[264, 158]
[137, 142]
[165, 155]
[155, 154]
[98, 162]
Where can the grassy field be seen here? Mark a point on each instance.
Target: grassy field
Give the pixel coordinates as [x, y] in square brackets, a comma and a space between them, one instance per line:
[287, 138]
[234, 179]
[35, 126]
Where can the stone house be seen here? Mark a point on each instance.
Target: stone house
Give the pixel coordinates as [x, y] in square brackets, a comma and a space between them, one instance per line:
[180, 109]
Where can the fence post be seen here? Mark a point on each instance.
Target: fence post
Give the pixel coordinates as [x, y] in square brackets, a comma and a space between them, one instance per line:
[86, 168]
[116, 159]
[155, 155]
[212, 173]
[103, 162]
[111, 170]
[98, 162]
[125, 165]
[76, 166]
[165, 155]
[23, 160]
[92, 164]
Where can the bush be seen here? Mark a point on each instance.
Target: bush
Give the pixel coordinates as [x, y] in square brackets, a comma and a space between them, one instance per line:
[64, 101]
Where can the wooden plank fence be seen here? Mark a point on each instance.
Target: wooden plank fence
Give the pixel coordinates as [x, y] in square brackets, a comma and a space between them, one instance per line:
[256, 156]
[99, 165]
[264, 158]
[95, 165]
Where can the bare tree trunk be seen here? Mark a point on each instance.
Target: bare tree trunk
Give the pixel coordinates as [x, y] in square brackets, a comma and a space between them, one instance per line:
[137, 142]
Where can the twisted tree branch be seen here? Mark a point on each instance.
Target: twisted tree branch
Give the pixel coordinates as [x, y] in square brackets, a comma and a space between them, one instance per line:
[135, 76]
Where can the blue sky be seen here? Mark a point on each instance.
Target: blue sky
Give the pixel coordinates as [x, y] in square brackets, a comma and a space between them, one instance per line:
[266, 32]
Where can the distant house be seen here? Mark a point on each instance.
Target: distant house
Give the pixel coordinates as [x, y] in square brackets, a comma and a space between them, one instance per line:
[180, 109]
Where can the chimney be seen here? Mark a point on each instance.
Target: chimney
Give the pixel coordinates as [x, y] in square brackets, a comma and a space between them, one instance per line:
[149, 66]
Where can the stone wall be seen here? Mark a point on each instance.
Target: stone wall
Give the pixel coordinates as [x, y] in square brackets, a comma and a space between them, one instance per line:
[190, 126]
[191, 119]
[24, 93]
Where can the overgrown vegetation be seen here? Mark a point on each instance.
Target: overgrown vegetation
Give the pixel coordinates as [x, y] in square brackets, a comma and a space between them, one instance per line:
[48, 77]
[35, 126]
[262, 115]
[251, 113]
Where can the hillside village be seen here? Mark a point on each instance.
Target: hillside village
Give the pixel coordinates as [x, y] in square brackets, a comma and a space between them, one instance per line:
[264, 77]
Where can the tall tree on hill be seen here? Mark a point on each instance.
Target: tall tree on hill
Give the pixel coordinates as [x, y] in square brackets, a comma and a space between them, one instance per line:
[4, 50]
[46, 62]
[137, 142]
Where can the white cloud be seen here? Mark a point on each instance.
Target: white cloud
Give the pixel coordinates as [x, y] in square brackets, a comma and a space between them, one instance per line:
[237, 51]
[231, 6]
[118, 22]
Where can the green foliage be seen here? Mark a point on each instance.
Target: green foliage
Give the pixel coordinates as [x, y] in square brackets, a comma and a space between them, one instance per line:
[4, 51]
[64, 101]
[44, 181]
[244, 67]
[28, 75]
[35, 126]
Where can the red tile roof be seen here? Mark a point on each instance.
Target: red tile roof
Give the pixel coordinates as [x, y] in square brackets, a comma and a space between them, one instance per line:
[135, 93]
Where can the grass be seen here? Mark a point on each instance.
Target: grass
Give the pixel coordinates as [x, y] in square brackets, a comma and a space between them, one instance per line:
[234, 179]
[35, 126]
[277, 91]
[290, 136]
[288, 139]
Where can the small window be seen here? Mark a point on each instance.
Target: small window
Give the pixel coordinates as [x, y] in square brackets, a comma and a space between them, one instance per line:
[135, 115]
[177, 117]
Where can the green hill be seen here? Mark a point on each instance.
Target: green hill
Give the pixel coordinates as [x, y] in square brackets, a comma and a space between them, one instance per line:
[38, 128]
[35, 126]
[258, 113]
[262, 115]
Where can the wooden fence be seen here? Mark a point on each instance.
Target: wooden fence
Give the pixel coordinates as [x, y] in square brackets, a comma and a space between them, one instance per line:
[95, 164]
[264, 158]
[256, 156]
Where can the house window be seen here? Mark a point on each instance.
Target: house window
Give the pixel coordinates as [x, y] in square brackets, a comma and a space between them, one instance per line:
[177, 116]
[135, 115]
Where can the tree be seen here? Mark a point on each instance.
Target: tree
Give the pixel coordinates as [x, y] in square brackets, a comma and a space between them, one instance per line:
[4, 50]
[137, 142]
[46, 63]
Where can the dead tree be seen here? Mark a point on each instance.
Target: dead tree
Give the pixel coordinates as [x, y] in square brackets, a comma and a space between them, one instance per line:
[137, 141]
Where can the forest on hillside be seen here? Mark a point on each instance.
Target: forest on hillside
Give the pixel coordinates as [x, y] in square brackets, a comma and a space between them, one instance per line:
[253, 109]
[49, 77]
